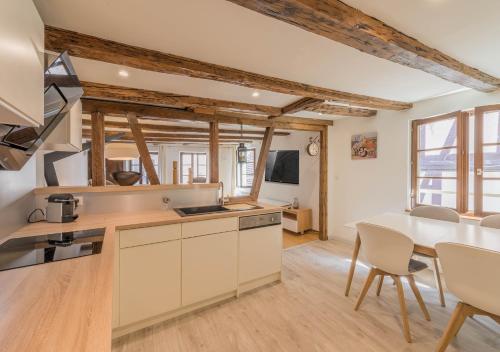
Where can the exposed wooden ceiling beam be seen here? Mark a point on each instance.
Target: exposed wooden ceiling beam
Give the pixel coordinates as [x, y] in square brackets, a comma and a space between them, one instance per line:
[180, 135]
[111, 92]
[342, 110]
[174, 139]
[162, 113]
[342, 23]
[93, 48]
[175, 129]
[299, 105]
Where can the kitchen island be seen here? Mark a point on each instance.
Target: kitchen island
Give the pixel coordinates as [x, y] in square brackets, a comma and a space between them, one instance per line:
[73, 305]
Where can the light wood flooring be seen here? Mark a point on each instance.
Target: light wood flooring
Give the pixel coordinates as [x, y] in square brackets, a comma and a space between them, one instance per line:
[291, 239]
[309, 312]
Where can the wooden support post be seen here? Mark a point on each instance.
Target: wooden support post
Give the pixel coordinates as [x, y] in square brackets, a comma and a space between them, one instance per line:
[214, 152]
[323, 185]
[143, 149]
[175, 172]
[97, 149]
[261, 163]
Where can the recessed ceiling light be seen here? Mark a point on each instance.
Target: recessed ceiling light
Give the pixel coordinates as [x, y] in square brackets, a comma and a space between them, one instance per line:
[123, 73]
[320, 113]
[255, 94]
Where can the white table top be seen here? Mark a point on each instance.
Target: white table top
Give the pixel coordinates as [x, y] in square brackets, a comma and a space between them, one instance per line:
[428, 232]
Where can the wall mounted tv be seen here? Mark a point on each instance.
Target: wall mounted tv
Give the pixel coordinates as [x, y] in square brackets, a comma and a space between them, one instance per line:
[283, 166]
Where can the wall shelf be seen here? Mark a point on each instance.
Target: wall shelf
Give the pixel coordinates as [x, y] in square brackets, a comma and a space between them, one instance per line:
[119, 189]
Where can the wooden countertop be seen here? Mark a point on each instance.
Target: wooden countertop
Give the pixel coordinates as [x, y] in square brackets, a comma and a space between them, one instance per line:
[67, 305]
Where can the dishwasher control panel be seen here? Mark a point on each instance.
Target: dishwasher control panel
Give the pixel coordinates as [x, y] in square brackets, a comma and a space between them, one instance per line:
[262, 220]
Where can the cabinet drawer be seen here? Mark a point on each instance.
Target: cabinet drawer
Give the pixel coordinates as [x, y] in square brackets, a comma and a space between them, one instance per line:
[290, 224]
[207, 227]
[148, 235]
[208, 266]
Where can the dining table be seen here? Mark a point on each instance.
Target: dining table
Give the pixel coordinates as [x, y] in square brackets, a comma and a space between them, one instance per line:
[426, 233]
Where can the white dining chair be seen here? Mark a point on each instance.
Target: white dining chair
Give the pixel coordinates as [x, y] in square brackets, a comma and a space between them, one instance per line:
[389, 253]
[491, 221]
[468, 276]
[436, 213]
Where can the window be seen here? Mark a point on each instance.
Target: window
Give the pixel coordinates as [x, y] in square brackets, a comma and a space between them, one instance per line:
[197, 162]
[245, 171]
[487, 160]
[456, 161]
[136, 165]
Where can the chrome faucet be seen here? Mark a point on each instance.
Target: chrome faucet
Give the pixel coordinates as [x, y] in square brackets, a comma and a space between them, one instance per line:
[221, 187]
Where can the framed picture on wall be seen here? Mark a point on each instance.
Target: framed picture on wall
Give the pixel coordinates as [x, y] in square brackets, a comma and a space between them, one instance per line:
[364, 146]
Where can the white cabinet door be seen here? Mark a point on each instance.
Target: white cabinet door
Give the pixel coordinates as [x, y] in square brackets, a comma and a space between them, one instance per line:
[21, 63]
[150, 280]
[208, 266]
[260, 252]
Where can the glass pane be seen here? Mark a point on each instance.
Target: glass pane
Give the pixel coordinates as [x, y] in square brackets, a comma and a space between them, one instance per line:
[491, 161]
[437, 192]
[471, 163]
[491, 127]
[438, 163]
[491, 196]
[438, 134]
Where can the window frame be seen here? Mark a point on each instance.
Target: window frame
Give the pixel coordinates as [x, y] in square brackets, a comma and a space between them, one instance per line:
[239, 172]
[463, 134]
[479, 157]
[459, 205]
[191, 154]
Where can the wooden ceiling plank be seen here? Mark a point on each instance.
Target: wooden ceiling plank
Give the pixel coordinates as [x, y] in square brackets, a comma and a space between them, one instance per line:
[93, 48]
[299, 105]
[342, 23]
[174, 129]
[112, 92]
[147, 162]
[342, 110]
[158, 113]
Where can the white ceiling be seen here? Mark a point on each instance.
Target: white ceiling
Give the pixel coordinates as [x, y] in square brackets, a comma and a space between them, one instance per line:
[220, 32]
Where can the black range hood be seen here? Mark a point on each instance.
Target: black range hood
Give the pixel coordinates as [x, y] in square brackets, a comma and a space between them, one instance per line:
[62, 90]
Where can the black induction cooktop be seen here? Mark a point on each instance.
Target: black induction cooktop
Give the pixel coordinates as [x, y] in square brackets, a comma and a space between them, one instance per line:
[41, 249]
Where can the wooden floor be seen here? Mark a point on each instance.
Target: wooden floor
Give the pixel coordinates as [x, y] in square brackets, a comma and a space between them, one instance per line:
[308, 312]
[291, 239]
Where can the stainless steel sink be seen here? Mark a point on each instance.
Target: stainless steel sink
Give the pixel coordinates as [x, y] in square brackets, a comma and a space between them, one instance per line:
[209, 209]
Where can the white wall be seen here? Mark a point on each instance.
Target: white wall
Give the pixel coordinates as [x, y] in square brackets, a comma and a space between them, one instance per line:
[307, 191]
[129, 202]
[16, 199]
[362, 188]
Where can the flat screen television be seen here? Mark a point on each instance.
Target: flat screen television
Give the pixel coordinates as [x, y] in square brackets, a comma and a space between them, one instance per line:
[283, 166]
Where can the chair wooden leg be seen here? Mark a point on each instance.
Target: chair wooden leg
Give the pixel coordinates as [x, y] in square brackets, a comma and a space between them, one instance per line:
[437, 278]
[456, 321]
[368, 283]
[418, 296]
[404, 312]
[380, 283]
